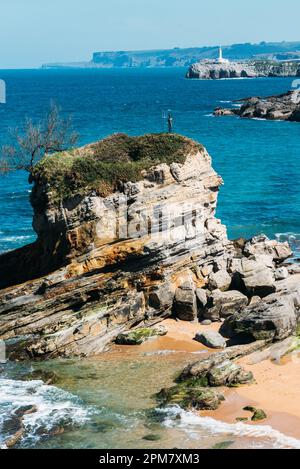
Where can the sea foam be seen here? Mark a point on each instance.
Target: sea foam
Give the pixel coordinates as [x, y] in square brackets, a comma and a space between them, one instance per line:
[56, 408]
[263, 436]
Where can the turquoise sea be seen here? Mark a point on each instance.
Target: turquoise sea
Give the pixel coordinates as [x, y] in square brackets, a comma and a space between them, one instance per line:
[259, 162]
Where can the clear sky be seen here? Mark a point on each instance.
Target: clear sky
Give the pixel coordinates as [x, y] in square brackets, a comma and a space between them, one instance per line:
[33, 32]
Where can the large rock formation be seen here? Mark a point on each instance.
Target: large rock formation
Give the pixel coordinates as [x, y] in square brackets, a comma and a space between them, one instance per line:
[285, 107]
[109, 258]
[211, 70]
[126, 236]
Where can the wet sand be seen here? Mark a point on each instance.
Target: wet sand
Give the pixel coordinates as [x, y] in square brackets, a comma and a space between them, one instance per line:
[276, 390]
[180, 338]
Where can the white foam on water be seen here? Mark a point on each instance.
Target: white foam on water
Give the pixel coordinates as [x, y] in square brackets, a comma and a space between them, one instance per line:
[288, 236]
[264, 435]
[12, 239]
[56, 408]
[294, 241]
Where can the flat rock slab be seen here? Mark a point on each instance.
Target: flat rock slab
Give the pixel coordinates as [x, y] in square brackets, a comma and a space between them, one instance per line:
[140, 335]
[211, 339]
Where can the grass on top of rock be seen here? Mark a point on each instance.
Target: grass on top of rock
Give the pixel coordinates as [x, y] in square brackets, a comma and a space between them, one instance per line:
[102, 166]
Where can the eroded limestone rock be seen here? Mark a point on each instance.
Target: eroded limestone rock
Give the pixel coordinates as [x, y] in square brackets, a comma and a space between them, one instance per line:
[272, 319]
[257, 277]
[224, 304]
[99, 268]
[220, 280]
[185, 303]
[211, 339]
[229, 374]
[140, 335]
[190, 396]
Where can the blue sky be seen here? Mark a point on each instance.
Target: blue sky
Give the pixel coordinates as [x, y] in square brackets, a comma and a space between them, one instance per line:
[33, 32]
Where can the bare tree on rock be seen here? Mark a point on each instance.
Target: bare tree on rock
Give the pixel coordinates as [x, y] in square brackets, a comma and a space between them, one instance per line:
[51, 135]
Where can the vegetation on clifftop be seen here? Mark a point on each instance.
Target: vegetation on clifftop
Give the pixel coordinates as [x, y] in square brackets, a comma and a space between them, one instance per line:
[102, 166]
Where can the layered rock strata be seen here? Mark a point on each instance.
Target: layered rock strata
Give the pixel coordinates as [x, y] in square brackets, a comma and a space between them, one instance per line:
[104, 264]
[111, 263]
[210, 70]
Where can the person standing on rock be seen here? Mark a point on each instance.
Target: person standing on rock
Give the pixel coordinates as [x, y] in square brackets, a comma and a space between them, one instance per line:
[170, 123]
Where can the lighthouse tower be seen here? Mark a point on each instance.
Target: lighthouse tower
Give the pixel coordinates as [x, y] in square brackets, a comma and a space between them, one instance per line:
[221, 60]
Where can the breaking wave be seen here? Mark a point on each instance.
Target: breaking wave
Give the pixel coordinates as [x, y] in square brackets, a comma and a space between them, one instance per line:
[55, 409]
[262, 436]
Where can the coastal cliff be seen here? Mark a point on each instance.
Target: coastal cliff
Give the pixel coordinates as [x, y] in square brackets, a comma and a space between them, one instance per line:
[116, 236]
[184, 57]
[208, 70]
[127, 236]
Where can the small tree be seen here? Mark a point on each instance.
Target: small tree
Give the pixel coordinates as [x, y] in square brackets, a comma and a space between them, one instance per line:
[53, 134]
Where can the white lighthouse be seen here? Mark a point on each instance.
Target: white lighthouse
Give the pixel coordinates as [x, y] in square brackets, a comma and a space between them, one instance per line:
[221, 60]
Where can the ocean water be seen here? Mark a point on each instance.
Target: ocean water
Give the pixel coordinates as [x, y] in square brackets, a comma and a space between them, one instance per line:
[103, 404]
[258, 160]
[107, 403]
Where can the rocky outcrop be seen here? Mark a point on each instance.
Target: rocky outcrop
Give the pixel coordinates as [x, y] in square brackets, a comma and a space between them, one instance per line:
[15, 425]
[271, 319]
[207, 70]
[190, 396]
[196, 385]
[203, 366]
[185, 302]
[115, 256]
[140, 335]
[224, 304]
[285, 107]
[211, 70]
[104, 264]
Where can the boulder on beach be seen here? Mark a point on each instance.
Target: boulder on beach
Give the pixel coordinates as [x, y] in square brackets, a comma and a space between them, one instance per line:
[211, 339]
[273, 319]
[140, 335]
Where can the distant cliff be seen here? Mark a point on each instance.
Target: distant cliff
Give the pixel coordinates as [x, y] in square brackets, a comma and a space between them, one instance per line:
[178, 57]
[212, 71]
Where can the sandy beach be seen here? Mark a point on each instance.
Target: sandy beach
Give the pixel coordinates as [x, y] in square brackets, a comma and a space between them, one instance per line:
[276, 389]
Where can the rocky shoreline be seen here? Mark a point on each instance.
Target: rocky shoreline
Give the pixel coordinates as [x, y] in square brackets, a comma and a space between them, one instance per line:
[209, 70]
[284, 107]
[87, 283]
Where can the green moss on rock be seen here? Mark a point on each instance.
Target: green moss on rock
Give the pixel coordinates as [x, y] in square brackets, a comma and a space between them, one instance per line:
[140, 335]
[223, 445]
[258, 414]
[102, 166]
[187, 396]
[152, 437]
